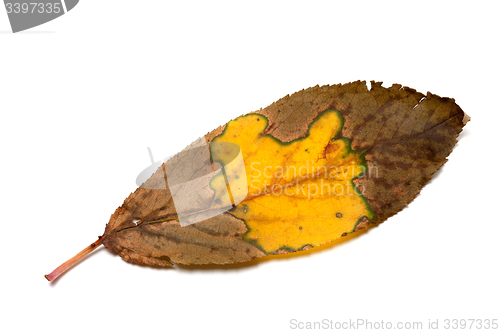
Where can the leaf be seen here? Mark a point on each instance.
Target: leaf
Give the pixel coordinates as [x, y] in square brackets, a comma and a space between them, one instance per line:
[318, 165]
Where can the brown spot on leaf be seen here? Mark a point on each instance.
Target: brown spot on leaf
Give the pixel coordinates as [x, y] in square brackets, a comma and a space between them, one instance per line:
[399, 191]
[363, 224]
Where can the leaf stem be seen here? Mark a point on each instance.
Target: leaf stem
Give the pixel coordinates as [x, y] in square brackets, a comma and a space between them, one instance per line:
[73, 261]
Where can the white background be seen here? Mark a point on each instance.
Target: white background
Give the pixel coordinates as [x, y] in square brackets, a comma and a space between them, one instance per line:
[83, 96]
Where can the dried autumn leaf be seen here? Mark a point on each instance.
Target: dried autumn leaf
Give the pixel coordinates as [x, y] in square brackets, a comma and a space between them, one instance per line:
[315, 166]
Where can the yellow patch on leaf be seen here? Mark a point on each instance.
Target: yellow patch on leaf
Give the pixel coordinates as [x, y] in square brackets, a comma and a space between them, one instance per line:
[296, 193]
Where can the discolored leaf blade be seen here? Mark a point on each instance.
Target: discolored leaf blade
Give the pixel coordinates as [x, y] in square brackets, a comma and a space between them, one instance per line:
[394, 139]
